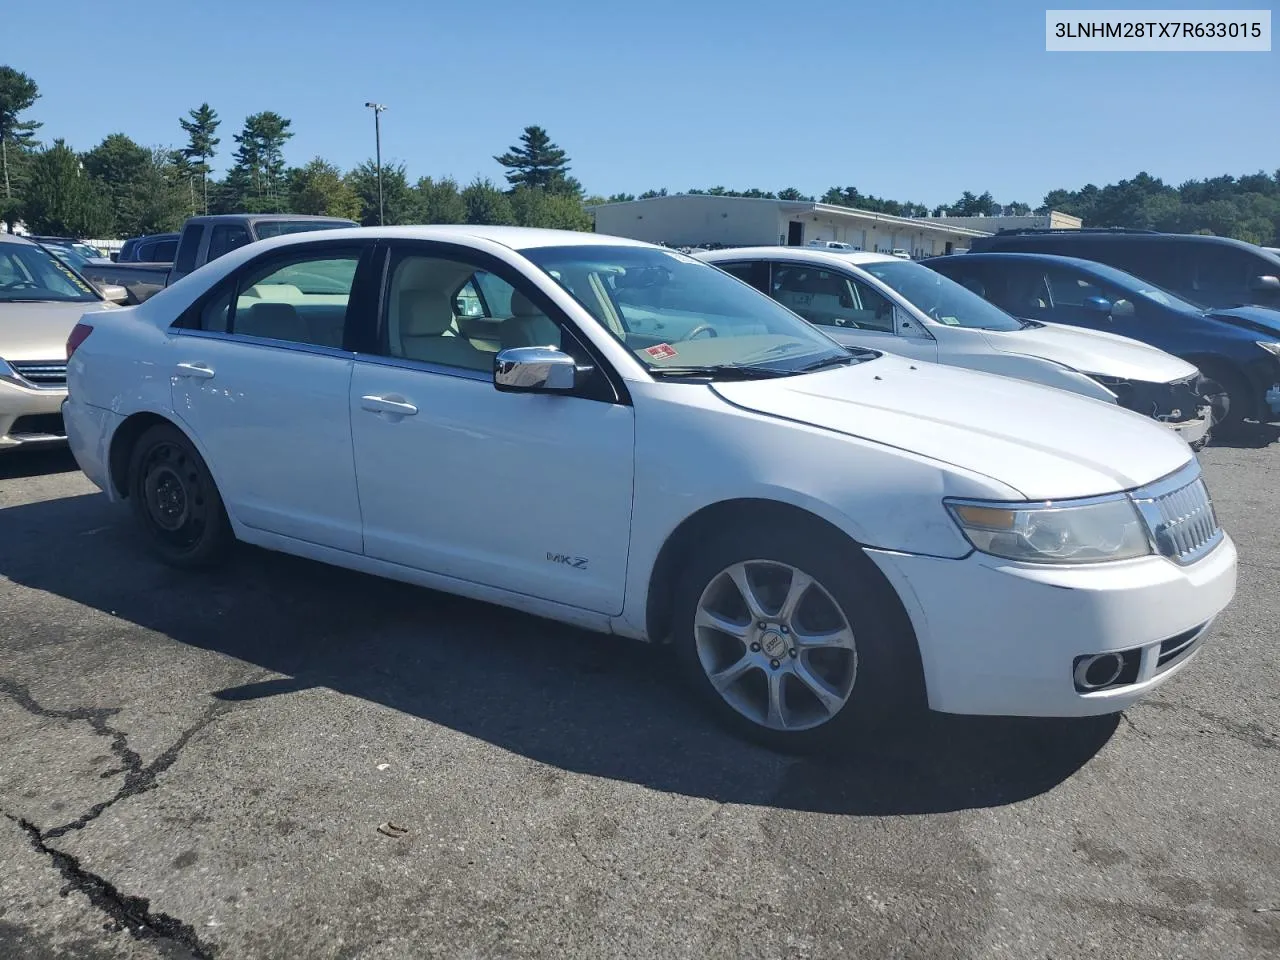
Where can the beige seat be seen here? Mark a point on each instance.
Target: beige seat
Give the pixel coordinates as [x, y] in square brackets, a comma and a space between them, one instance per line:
[276, 321]
[426, 333]
[528, 326]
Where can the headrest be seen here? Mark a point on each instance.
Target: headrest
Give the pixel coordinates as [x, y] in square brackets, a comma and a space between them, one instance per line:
[424, 313]
[522, 306]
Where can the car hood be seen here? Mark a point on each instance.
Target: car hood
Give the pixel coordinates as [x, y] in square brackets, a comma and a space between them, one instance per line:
[1261, 320]
[39, 331]
[1045, 443]
[1092, 351]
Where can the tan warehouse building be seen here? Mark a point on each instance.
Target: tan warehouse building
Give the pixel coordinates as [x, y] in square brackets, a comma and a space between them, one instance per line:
[696, 219]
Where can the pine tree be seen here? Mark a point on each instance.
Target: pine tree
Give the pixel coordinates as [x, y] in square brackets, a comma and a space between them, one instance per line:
[201, 144]
[537, 162]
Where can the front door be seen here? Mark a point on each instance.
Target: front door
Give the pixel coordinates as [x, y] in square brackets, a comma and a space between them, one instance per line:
[529, 493]
[261, 382]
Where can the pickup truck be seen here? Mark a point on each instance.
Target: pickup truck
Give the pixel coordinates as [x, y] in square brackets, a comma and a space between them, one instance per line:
[204, 239]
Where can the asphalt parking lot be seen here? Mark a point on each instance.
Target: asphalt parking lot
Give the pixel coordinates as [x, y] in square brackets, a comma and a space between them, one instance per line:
[198, 766]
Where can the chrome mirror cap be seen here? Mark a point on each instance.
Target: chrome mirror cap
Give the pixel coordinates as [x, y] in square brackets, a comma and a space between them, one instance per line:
[534, 370]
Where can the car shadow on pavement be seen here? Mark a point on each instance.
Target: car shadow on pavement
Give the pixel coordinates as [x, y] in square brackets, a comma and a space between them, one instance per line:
[581, 702]
[1255, 437]
[15, 464]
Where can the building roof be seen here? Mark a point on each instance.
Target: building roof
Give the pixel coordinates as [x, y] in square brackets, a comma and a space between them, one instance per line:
[811, 206]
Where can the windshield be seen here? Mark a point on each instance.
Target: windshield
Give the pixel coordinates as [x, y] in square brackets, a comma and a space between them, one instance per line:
[29, 272]
[675, 312]
[67, 255]
[939, 297]
[276, 228]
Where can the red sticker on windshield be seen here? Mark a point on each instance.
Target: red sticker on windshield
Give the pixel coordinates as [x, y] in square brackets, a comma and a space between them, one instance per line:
[662, 351]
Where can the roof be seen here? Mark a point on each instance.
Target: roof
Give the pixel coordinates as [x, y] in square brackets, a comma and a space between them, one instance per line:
[257, 217]
[809, 254]
[516, 238]
[1024, 256]
[809, 206]
[14, 238]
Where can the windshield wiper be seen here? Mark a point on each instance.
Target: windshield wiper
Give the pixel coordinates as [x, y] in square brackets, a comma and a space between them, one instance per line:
[838, 360]
[718, 371]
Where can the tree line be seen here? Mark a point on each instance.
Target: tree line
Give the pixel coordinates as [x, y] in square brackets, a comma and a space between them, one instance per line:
[121, 188]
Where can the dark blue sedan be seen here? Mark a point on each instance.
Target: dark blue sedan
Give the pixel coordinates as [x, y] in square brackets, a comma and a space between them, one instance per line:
[1239, 347]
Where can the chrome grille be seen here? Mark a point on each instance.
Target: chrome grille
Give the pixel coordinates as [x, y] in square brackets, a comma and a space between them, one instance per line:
[1179, 515]
[42, 373]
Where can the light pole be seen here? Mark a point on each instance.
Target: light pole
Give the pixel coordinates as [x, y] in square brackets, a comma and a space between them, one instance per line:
[377, 109]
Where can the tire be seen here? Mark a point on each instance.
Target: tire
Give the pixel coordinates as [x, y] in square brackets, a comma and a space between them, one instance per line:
[868, 680]
[1229, 422]
[175, 500]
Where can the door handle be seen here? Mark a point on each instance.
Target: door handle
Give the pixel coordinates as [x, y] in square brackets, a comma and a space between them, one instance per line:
[399, 408]
[198, 370]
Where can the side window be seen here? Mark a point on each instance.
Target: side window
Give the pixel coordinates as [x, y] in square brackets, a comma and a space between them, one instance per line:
[875, 310]
[225, 238]
[188, 248]
[830, 299]
[449, 313]
[1067, 289]
[163, 251]
[1220, 269]
[297, 298]
[754, 272]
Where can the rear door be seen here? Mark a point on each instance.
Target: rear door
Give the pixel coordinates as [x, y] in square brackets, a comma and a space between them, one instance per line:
[261, 379]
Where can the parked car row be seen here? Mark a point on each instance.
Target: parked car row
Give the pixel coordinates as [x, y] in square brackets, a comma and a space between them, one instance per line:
[882, 302]
[626, 438]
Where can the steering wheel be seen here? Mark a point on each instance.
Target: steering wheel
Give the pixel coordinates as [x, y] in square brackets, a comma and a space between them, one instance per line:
[700, 328]
[19, 285]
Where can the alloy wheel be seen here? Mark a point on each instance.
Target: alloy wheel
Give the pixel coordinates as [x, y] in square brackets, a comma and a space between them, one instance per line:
[775, 645]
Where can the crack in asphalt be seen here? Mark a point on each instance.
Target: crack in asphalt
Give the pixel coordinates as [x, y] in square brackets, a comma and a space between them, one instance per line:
[138, 777]
[130, 913]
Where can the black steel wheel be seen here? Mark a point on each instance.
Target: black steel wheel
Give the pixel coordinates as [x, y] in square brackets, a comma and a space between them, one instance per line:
[175, 499]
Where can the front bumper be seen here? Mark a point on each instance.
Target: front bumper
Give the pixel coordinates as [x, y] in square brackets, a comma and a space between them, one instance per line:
[1273, 399]
[1002, 638]
[29, 415]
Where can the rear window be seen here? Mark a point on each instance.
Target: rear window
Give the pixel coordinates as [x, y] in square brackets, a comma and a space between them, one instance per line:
[276, 228]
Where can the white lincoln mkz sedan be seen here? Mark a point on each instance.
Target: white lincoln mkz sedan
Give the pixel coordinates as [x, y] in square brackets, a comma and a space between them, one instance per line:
[621, 437]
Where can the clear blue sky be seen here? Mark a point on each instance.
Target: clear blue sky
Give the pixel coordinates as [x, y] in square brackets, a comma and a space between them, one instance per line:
[913, 100]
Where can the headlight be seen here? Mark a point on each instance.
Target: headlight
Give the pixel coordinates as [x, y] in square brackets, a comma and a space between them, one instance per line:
[1090, 532]
[1271, 348]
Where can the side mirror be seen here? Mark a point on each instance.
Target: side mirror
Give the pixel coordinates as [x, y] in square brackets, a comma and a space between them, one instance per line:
[1122, 308]
[1268, 283]
[1098, 305]
[535, 370]
[114, 292]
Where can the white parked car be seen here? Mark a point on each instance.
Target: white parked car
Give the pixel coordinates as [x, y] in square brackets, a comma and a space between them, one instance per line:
[628, 440]
[879, 301]
[41, 299]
